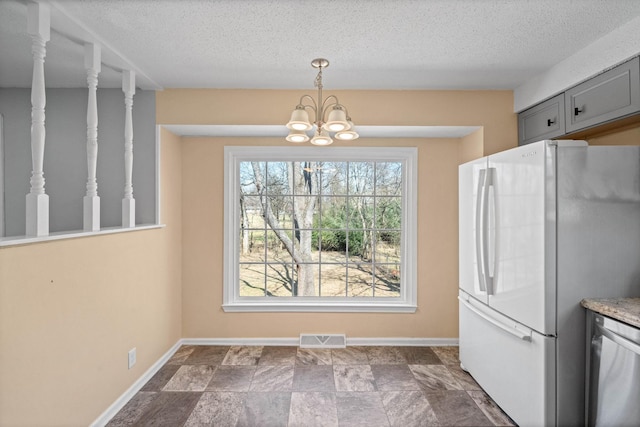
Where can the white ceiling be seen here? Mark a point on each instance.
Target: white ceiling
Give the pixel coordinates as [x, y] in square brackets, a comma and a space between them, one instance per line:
[372, 44]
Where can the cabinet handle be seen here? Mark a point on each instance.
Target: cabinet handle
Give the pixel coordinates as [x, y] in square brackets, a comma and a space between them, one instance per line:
[577, 111]
[551, 122]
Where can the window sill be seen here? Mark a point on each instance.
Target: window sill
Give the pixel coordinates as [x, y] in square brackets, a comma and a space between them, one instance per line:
[319, 307]
[24, 240]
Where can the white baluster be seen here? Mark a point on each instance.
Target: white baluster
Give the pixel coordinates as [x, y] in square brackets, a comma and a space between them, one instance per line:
[91, 201]
[37, 202]
[128, 203]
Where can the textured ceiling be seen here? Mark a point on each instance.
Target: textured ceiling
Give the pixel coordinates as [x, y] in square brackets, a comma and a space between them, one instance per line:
[372, 44]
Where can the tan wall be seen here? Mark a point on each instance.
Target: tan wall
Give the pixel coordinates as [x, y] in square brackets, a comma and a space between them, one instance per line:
[437, 314]
[628, 135]
[71, 309]
[471, 146]
[493, 110]
[203, 252]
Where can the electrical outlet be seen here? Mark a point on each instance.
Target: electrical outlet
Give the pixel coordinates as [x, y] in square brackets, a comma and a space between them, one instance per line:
[132, 357]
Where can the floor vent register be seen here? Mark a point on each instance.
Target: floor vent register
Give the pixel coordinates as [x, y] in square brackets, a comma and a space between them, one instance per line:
[323, 341]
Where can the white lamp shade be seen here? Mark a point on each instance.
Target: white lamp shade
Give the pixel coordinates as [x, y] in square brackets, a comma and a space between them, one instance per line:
[337, 120]
[349, 134]
[297, 136]
[322, 138]
[299, 120]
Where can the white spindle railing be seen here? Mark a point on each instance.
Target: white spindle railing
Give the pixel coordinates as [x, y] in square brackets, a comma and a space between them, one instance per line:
[37, 202]
[91, 202]
[128, 202]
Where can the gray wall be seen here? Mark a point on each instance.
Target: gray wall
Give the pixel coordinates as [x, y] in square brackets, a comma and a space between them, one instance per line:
[65, 161]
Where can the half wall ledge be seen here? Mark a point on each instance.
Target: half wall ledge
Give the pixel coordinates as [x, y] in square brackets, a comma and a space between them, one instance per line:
[25, 240]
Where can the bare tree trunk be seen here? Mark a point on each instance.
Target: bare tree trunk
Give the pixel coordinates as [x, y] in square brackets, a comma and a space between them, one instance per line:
[301, 181]
[245, 225]
[367, 235]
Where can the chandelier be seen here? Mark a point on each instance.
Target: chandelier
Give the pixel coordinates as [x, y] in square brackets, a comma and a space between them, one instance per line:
[331, 117]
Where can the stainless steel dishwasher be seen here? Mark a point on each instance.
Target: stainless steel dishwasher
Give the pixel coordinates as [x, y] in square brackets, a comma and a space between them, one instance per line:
[613, 387]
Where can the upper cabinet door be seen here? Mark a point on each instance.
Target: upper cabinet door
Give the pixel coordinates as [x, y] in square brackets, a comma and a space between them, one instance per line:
[544, 121]
[609, 96]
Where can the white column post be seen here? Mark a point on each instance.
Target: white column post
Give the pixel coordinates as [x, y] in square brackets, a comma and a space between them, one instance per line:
[128, 203]
[37, 202]
[91, 201]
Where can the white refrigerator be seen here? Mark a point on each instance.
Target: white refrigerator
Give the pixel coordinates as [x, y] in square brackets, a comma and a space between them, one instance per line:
[541, 227]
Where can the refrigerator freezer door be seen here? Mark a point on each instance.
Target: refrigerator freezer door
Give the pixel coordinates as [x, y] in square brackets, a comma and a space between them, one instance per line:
[522, 235]
[471, 195]
[514, 364]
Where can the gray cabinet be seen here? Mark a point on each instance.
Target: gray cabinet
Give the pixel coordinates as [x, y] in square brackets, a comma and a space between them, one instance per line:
[611, 95]
[544, 121]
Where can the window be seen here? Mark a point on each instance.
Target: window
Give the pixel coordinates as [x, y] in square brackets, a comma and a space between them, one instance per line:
[320, 229]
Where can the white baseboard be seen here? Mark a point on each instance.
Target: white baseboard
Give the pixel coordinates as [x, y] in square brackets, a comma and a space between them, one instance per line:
[112, 410]
[404, 342]
[116, 406]
[241, 341]
[409, 342]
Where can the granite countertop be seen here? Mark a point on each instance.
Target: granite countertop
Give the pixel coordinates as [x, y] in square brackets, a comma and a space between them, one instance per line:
[626, 310]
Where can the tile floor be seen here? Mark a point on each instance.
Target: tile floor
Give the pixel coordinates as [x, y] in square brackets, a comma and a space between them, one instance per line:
[290, 386]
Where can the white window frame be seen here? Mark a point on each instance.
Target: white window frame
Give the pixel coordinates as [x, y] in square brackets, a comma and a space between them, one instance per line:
[405, 303]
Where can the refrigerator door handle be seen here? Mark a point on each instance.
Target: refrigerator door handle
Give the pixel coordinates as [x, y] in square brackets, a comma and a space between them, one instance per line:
[480, 229]
[621, 341]
[513, 331]
[486, 242]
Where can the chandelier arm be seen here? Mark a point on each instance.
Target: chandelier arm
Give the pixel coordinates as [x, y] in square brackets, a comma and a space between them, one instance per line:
[326, 104]
[314, 105]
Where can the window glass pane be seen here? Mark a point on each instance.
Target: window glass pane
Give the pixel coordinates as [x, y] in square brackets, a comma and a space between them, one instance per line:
[333, 212]
[387, 280]
[334, 246]
[280, 278]
[306, 246]
[361, 178]
[308, 278]
[248, 179]
[388, 178]
[251, 280]
[305, 210]
[360, 245]
[388, 213]
[277, 181]
[334, 178]
[360, 280]
[276, 249]
[281, 212]
[306, 177]
[387, 246]
[334, 280]
[251, 212]
[360, 212]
